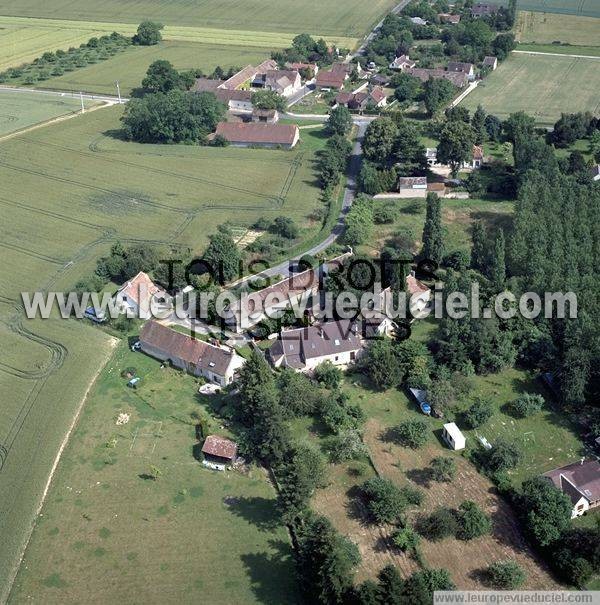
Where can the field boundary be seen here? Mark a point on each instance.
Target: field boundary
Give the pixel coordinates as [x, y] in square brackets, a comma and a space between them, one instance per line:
[537, 52]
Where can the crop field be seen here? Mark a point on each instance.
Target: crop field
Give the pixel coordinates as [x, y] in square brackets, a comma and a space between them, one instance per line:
[543, 86]
[129, 67]
[352, 18]
[546, 28]
[588, 8]
[22, 39]
[193, 535]
[20, 110]
[69, 190]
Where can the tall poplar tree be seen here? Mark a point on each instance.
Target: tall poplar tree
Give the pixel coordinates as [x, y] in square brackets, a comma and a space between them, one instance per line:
[433, 233]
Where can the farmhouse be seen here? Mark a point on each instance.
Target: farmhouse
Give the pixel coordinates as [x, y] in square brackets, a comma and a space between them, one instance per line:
[245, 76]
[581, 482]
[402, 62]
[218, 452]
[462, 68]
[420, 294]
[449, 19]
[259, 134]
[453, 437]
[328, 80]
[459, 79]
[283, 81]
[490, 62]
[311, 68]
[303, 349]
[134, 297]
[235, 100]
[360, 101]
[483, 9]
[215, 363]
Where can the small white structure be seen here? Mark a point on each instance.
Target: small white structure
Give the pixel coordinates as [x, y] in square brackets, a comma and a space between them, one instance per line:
[418, 21]
[453, 437]
[596, 173]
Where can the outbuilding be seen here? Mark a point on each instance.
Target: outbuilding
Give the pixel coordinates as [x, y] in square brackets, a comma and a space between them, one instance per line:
[218, 452]
[453, 437]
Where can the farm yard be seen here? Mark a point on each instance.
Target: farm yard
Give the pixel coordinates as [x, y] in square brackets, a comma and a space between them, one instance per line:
[129, 68]
[190, 535]
[19, 110]
[351, 19]
[543, 86]
[61, 213]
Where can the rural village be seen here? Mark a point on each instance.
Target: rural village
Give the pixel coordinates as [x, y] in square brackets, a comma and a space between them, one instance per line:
[280, 155]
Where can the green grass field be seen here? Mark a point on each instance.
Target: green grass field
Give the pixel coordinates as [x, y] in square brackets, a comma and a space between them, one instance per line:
[19, 110]
[68, 191]
[542, 86]
[546, 28]
[194, 535]
[352, 18]
[129, 67]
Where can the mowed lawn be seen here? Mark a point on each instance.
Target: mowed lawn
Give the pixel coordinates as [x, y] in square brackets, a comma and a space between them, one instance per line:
[546, 28]
[129, 67]
[352, 18]
[543, 86]
[108, 534]
[19, 110]
[70, 190]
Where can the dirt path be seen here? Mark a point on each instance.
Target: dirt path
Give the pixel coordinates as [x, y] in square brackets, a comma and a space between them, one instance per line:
[62, 118]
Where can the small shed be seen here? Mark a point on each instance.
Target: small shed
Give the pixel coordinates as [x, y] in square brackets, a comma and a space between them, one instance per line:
[453, 437]
[218, 452]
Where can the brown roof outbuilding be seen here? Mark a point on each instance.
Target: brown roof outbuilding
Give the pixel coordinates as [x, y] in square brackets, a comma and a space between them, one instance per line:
[219, 447]
[259, 133]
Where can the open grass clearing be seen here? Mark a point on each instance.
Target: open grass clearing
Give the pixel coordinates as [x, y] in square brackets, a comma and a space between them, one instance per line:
[129, 67]
[543, 86]
[402, 465]
[191, 535]
[546, 28]
[458, 217]
[19, 110]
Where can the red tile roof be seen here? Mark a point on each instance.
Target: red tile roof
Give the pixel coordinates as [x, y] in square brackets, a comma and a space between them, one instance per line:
[219, 447]
[258, 133]
[140, 284]
[331, 79]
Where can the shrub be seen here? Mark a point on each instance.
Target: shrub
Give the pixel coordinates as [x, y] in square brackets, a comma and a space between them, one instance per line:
[527, 405]
[502, 457]
[406, 539]
[473, 521]
[412, 433]
[478, 413]
[348, 445]
[443, 469]
[328, 375]
[440, 524]
[506, 575]
[385, 501]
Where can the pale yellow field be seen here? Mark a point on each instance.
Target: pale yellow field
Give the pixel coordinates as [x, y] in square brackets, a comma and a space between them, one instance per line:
[545, 28]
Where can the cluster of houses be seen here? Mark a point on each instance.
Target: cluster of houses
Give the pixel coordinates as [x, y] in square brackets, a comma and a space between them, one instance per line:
[457, 72]
[253, 127]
